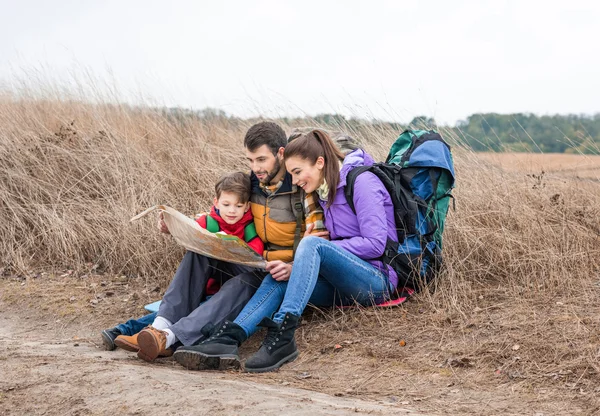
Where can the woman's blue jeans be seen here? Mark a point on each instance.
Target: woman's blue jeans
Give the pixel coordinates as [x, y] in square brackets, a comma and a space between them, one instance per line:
[324, 275]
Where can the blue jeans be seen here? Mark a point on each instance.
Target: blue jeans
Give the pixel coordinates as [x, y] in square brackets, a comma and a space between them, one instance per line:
[133, 326]
[324, 275]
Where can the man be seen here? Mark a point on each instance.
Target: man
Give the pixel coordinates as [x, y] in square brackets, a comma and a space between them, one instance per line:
[278, 215]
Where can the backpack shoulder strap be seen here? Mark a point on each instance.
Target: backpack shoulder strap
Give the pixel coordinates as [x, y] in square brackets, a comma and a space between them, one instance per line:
[297, 201]
[212, 225]
[250, 232]
[349, 188]
[391, 177]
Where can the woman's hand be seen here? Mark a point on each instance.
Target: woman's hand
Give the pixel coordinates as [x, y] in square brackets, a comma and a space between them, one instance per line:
[279, 270]
[322, 234]
[162, 227]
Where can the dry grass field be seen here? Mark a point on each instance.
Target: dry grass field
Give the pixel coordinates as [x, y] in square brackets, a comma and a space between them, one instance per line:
[512, 326]
[555, 165]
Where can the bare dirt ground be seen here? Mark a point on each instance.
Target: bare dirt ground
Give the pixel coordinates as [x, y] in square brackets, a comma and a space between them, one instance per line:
[54, 365]
[52, 362]
[44, 373]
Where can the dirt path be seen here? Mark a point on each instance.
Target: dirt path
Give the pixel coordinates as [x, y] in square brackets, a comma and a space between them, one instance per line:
[43, 372]
[52, 361]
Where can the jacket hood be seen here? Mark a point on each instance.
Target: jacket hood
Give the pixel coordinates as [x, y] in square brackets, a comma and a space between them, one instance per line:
[354, 159]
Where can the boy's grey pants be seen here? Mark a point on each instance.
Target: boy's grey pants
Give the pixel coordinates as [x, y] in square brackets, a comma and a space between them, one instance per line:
[181, 303]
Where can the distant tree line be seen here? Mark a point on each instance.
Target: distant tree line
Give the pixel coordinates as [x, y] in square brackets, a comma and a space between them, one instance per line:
[530, 133]
[519, 132]
[505, 132]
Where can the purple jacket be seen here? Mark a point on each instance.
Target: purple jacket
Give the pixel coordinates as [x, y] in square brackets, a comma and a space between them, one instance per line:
[365, 233]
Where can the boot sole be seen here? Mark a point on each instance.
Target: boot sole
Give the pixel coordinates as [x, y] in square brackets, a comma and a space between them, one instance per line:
[149, 348]
[194, 360]
[275, 366]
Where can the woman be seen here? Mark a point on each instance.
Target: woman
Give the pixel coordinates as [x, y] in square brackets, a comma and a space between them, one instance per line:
[342, 271]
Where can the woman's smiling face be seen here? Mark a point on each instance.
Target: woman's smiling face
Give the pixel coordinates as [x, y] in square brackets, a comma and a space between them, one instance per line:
[306, 175]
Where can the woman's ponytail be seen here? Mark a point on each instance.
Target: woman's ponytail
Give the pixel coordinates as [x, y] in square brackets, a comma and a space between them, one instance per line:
[333, 157]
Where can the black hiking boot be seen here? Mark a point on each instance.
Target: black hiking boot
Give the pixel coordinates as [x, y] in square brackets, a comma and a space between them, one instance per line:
[108, 338]
[218, 352]
[279, 346]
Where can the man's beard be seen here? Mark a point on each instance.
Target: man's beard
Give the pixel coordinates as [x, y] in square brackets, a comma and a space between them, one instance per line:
[270, 175]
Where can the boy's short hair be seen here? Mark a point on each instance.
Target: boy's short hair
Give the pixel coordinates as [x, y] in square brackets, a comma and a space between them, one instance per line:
[265, 132]
[237, 183]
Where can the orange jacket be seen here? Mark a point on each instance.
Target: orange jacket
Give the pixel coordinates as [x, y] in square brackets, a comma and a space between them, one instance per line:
[275, 217]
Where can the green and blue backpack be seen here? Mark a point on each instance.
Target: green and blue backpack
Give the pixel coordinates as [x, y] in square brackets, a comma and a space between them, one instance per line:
[419, 175]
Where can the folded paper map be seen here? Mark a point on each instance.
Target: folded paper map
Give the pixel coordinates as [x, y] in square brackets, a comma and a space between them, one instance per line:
[194, 238]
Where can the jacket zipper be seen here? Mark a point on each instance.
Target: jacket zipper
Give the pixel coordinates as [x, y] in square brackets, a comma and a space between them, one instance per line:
[265, 219]
[269, 197]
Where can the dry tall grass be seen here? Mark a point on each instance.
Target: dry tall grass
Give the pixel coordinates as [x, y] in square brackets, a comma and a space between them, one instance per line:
[520, 250]
[73, 174]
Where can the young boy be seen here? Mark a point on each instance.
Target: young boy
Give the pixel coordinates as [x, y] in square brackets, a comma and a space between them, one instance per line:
[231, 210]
[231, 215]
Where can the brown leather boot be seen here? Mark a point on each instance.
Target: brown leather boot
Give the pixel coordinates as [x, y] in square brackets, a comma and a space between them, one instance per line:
[152, 343]
[128, 343]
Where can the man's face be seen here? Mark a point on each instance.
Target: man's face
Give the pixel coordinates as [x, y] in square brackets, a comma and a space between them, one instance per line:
[264, 163]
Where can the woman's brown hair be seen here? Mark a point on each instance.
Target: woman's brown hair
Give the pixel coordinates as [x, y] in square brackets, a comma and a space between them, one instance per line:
[311, 146]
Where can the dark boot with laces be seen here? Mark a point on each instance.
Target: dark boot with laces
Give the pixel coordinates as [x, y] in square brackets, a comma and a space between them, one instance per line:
[279, 346]
[218, 352]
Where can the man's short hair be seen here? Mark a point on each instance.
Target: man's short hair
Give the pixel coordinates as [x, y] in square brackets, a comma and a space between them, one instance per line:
[238, 183]
[265, 132]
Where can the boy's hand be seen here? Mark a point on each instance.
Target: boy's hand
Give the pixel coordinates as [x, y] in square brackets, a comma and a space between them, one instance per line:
[322, 234]
[162, 227]
[279, 270]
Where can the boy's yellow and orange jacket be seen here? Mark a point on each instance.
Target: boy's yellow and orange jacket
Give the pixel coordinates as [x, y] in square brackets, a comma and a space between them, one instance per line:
[275, 213]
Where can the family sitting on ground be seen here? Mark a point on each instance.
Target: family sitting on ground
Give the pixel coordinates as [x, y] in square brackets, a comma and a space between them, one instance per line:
[318, 248]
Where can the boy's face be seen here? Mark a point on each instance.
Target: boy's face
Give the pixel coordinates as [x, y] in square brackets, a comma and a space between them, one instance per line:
[230, 208]
[265, 164]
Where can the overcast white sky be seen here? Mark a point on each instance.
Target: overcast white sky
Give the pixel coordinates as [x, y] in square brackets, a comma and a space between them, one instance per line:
[390, 60]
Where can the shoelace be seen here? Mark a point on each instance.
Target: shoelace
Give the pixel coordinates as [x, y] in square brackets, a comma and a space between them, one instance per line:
[207, 330]
[273, 334]
[272, 337]
[218, 333]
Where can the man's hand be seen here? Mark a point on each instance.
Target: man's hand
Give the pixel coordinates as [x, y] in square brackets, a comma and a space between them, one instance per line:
[322, 234]
[162, 227]
[279, 270]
